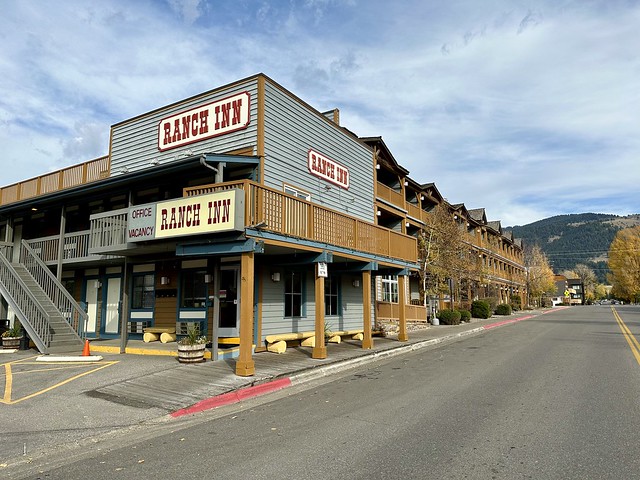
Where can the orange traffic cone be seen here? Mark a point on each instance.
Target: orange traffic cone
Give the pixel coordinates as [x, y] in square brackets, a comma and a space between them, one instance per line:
[85, 350]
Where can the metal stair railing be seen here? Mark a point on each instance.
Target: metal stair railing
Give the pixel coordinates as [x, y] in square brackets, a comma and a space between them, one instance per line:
[70, 310]
[33, 318]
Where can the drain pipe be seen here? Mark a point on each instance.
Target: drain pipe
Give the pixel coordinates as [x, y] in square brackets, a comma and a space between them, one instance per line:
[218, 171]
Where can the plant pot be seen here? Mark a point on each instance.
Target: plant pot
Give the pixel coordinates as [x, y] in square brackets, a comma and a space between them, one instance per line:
[191, 353]
[11, 342]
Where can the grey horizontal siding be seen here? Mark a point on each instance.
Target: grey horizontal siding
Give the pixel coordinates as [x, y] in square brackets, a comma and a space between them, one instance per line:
[273, 321]
[291, 129]
[134, 144]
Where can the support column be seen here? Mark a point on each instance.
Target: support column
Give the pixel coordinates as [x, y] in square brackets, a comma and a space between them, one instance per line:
[320, 349]
[245, 366]
[367, 341]
[402, 309]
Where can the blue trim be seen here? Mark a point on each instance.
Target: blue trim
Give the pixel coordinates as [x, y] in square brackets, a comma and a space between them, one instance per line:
[224, 248]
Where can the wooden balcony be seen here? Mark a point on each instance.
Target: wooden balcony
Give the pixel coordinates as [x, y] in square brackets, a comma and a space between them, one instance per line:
[292, 216]
[391, 196]
[73, 176]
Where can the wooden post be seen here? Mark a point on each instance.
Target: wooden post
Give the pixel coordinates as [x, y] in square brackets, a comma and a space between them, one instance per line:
[367, 341]
[402, 309]
[245, 366]
[320, 350]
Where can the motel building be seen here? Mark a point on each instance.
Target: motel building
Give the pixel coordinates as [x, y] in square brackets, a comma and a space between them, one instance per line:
[242, 211]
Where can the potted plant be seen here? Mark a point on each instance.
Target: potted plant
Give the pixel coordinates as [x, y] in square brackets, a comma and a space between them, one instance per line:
[12, 337]
[191, 347]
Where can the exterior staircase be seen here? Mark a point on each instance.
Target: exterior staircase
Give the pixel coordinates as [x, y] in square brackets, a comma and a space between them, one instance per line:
[47, 312]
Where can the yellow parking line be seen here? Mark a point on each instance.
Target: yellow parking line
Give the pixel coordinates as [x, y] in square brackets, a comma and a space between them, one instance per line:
[631, 340]
[9, 382]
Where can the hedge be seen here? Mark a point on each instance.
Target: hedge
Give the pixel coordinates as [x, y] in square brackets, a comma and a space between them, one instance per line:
[480, 309]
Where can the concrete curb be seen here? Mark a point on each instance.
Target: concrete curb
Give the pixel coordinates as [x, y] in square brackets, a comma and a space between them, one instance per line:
[339, 366]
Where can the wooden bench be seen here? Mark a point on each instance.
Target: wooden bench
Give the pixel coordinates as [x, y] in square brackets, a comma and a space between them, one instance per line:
[278, 343]
[164, 334]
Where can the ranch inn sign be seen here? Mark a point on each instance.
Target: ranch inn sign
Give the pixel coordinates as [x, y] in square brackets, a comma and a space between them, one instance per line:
[215, 212]
[206, 121]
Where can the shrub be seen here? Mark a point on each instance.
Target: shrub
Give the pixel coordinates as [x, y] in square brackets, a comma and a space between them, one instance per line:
[449, 317]
[492, 301]
[503, 309]
[516, 302]
[480, 309]
[465, 316]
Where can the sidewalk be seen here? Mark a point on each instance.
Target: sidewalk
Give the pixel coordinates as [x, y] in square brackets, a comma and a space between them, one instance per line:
[186, 389]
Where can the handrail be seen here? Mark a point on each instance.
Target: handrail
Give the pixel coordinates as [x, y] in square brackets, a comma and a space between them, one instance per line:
[33, 317]
[71, 311]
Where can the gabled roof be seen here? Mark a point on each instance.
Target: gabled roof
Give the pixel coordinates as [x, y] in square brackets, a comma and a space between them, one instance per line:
[495, 226]
[479, 215]
[384, 155]
[431, 190]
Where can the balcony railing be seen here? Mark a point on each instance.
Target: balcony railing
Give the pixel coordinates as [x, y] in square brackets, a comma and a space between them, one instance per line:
[289, 215]
[59, 180]
[389, 195]
[75, 248]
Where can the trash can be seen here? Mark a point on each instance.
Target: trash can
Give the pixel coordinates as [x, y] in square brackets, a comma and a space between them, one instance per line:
[24, 341]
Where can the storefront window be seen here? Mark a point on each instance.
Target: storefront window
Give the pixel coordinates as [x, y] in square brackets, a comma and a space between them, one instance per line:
[390, 289]
[331, 284]
[143, 294]
[293, 294]
[194, 289]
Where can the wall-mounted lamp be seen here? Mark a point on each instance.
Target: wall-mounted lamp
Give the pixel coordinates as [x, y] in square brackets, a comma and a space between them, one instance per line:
[164, 280]
[407, 224]
[356, 283]
[455, 217]
[208, 278]
[422, 198]
[406, 184]
[377, 166]
[275, 276]
[378, 213]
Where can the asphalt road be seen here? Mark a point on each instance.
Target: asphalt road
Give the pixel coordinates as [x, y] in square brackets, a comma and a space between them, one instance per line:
[555, 396]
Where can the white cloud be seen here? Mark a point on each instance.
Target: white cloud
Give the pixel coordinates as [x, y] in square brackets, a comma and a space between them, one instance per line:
[526, 109]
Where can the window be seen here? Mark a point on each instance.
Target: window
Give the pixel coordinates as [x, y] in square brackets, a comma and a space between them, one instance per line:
[293, 294]
[296, 192]
[331, 284]
[143, 291]
[331, 294]
[390, 289]
[194, 289]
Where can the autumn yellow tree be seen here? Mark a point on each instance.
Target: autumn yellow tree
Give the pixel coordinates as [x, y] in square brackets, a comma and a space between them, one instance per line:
[624, 263]
[442, 252]
[539, 274]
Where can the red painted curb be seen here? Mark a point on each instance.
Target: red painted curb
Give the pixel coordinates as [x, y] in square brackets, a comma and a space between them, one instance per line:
[506, 322]
[233, 397]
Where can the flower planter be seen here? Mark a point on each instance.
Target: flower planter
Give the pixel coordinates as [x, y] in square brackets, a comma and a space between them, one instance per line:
[11, 342]
[191, 353]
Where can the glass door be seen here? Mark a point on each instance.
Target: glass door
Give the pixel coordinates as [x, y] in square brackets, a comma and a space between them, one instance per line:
[228, 301]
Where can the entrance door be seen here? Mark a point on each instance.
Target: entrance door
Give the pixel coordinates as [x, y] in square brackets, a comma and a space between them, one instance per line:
[111, 324]
[92, 299]
[228, 300]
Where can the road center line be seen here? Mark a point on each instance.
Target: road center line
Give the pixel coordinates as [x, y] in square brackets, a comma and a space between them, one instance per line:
[631, 340]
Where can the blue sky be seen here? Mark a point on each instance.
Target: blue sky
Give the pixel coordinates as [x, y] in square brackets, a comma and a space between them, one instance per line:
[527, 108]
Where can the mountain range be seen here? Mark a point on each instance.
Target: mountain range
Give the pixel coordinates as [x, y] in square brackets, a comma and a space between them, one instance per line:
[577, 238]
